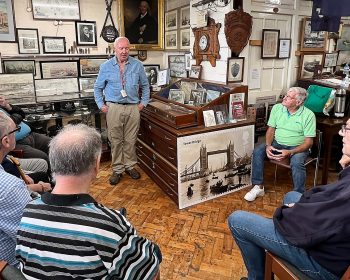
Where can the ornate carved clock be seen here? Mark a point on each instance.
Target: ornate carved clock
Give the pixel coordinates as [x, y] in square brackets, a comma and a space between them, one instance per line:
[206, 43]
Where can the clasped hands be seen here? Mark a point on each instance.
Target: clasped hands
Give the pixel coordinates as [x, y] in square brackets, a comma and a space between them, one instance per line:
[276, 154]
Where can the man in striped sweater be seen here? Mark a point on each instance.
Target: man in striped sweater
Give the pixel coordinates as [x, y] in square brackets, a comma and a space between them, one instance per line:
[66, 234]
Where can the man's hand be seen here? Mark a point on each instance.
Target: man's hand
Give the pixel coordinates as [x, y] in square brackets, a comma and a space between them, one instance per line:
[29, 179]
[104, 109]
[5, 104]
[140, 106]
[276, 154]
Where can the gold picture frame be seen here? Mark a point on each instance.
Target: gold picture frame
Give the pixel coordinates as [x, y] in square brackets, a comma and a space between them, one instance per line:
[312, 41]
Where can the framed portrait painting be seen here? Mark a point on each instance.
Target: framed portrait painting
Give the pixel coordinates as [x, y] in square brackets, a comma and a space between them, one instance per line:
[142, 23]
[85, 32]
[235, 68]
[308, 63]
[312, 40]
[28, 40]
[270, 40]
[8, 26]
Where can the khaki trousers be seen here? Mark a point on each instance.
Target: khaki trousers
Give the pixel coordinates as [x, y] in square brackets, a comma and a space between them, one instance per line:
[123, 123]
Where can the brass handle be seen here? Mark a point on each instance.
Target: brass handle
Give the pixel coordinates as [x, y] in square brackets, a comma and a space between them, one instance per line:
[170, 148]
[149, 126]
[154, 156]
[171, 158]
[167, 138]
[153, 165]
[153, 145]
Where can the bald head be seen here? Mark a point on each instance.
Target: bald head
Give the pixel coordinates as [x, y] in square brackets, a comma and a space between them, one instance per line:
[5, 123]
[121, 47]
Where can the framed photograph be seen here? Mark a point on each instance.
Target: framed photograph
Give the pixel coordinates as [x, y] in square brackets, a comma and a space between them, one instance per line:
[152, 73]
[86, 86]
[221, 117]
[58, 69]
[198, 96]
[18, 88]
[235, 68]
[343, 43]
[171, 40]
[212, 95]
[209, 118]
[177, 66]
[28, 40]
[56, 10]
[195, 72]
[312, 41]
[185, 17]
[284, 47]
[90, 66]
[142, 22]
[185, 39]
[54, 44]
[330, 59]
[8, 24]
[270, 39]
[18, 66]
[177, 95]
[163, 77]
[171, 20]
[188, 57]
[48, 90]
[343, 57]
[308, 63]
[85, 32]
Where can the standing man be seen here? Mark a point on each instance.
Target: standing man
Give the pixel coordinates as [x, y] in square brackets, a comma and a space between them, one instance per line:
[117, 95]
[291, 128]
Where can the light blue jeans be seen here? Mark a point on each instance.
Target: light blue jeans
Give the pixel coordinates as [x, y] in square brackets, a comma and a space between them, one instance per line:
[254, 234]
[296, 162]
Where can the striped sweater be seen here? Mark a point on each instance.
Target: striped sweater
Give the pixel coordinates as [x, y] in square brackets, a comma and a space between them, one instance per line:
[74, 237]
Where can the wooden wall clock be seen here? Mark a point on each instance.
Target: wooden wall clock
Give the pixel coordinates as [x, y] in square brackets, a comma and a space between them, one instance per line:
[206, 43]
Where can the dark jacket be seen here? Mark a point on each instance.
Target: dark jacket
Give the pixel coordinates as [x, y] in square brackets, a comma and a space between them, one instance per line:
[149, 36]
[16, 113]
[320, 224]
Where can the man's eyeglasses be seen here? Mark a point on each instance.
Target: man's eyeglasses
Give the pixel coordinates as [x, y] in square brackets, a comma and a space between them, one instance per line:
[344, 128]
[18, 128]
[288, 97]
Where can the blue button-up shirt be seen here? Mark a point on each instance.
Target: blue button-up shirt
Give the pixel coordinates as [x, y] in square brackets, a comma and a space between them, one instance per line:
[109, 83]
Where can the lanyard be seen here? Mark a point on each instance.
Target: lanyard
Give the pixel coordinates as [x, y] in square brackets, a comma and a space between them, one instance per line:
[122, 76]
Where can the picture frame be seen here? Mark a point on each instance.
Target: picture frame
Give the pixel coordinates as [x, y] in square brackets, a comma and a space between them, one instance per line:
[307, 64]
[188, 57]
[312, 41]
[18, 66]
[171, 20]
[152, 38]
[270, 39]
[185, 17]
[185, 39]
[177, 95]
[48, 90]
[28, 41]
[343, 57]
[163, 77]
[171, 40]
[8, 29]
[235, 69]
[177, 66]
[195, 72]
[86, 86]
[152, 73]
[18, 89]
[284, 48]
[343, 43]
[54, 44]
[209, 118]
[198, 96]
[330, 59]
[58, 69]
[56, 10]
[90, 66]
[85, 32]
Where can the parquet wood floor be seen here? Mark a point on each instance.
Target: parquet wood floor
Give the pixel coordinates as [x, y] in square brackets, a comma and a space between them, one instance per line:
[196, 242]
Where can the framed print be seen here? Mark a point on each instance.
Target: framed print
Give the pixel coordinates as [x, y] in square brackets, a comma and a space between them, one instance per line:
[8, 25]
[343, 57]
[142, 23]
[330, 59]
[28, 40]
[152, 73]
[343, 43]
[185, 17]
[56, 10]
[54, 44]
[209, 118]
[185, 39]
[312, 40]
[171, 20]
[85, 32]
[308, 63]
[198, 96]
[284, 46]
[18, 66]
[195, 72]
[90, 66]
[270, 39]
[171, 40]
[86, 86]
[58, 69]
[177, 66]
[18, 88]
[163, 77]
[235, 69]
[177, 95]
[188, 57]
[48, 90]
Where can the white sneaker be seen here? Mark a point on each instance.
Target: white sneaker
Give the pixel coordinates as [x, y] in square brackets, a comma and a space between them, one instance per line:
[255, 192]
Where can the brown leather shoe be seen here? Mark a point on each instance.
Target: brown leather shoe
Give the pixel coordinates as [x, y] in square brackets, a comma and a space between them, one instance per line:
[115, 178]
[133, 173]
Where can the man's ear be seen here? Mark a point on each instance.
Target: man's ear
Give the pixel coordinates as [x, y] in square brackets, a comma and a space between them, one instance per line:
[97, 165]
[5, 142]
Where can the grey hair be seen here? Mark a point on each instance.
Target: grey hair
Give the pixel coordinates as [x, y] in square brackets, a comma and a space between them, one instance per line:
[301, 93]
[74, 150]
[116, 41]
[5, 123]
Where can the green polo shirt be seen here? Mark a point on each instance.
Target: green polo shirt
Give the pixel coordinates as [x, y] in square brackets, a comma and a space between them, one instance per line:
[291, 129]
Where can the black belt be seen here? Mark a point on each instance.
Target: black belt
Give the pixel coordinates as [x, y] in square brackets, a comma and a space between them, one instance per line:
[122, 103]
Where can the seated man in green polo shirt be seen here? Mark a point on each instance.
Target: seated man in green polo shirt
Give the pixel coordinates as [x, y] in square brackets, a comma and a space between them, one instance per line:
[290, 133]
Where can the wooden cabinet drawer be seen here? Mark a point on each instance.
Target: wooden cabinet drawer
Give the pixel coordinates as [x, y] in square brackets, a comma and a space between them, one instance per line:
[159, 133]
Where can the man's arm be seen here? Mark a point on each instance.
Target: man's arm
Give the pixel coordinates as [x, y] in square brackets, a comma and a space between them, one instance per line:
[99, 86]
[15, 112]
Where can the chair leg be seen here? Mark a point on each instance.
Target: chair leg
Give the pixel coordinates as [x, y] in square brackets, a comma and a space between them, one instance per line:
[316, 171]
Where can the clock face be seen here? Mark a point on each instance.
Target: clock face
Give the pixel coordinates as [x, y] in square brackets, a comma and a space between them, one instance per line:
[203, 42]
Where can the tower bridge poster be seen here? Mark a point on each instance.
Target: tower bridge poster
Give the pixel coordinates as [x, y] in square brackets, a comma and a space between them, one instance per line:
[214, 164]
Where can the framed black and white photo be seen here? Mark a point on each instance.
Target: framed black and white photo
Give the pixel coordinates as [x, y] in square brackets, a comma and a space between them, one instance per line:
[7, 24]
[176, 95]
[171, 40]
[18, 66]
[330, 59]
[171, 20]
[343, 57]
[195, 72]
[308, 63]
[343, 43]
[185, 17]
[312, 41]
[235, 69]
[163, 77]
[28, 41]
[177, 66]
[185, 39]
[56, 10]
[54, 44]
[152, 73]
[270, 39]
[48, 90]
[198, 96]
[58, 69]
[90, 66]
[188, 57]
[284, 47]
[209, 118]
[85, 32]
[18, 88]
[86, 86]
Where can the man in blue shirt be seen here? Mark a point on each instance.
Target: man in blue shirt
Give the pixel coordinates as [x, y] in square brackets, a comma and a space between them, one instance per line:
[117, 95]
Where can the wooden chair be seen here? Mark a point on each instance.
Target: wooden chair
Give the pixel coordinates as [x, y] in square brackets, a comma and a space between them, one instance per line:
[313, 157]
[284, 270]
[9, 272]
